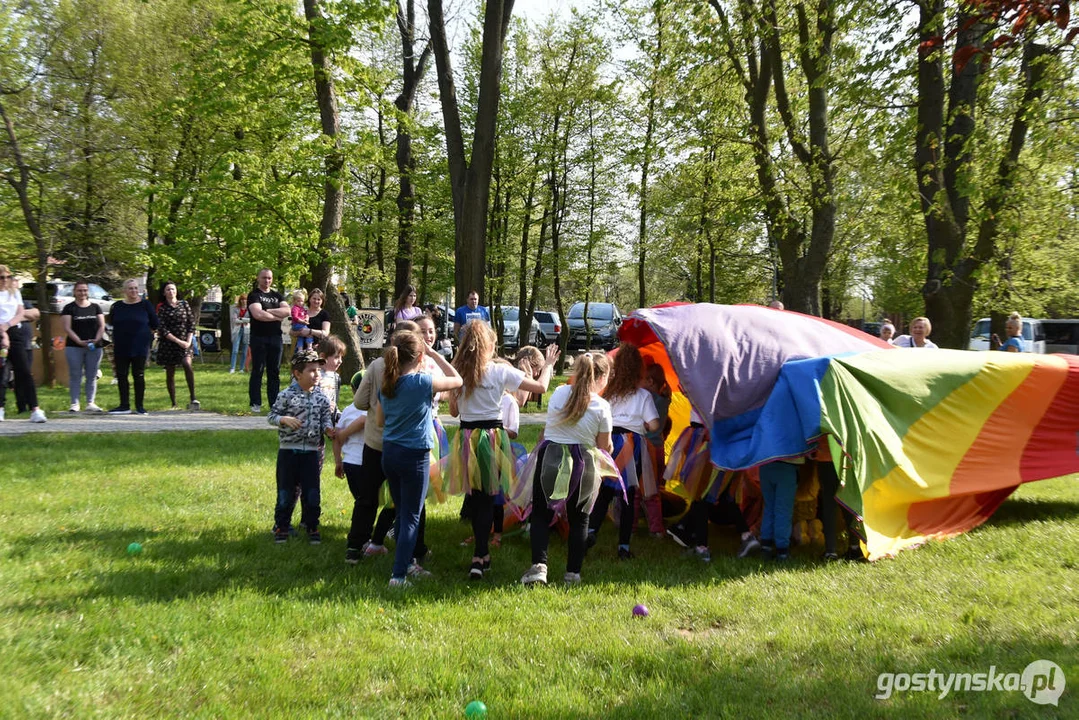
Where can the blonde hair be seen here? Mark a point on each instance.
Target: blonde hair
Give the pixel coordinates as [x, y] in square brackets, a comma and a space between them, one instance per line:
[928, 325]
[530, 359]
[477, 349]
[299, 294]
[1014, 320]
[626, 373]
[405, 349]
[588, 369]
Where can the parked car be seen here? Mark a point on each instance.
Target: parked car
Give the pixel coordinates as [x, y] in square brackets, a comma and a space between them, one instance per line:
[62, 292]
[1061, 336]
[511, 328]
[210, 314]
[547, 327]
[1033, 335]
[602, 324]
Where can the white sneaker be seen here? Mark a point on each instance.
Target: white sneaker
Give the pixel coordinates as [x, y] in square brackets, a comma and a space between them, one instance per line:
[74, 407]
[536, 574]
[571, 578]
[194, 405]
[370, 550]
[416, 570]
[92, 407]
[256, 409]
[1, 414]
[37, 416]
[232, 371]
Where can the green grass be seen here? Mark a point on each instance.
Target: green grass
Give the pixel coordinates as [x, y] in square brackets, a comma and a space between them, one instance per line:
[216, 389]
[214, 620]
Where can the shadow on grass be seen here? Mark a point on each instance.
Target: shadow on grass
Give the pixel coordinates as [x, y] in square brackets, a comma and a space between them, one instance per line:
[181, 564]
[1019, 511]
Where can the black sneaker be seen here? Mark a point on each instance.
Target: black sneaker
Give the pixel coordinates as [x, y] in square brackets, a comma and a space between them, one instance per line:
[280, 535]
[625, 554]
[782, 555]
[680, 535]
[314, 537]
[475, 572]
[353, 556]
[141, 411]
[768, 548]
[829, 557]
[749, 546]
[120, 410]
[487, 565]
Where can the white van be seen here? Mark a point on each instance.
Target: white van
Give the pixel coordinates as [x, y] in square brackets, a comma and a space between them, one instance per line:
[1033, 335]
[1062, 336]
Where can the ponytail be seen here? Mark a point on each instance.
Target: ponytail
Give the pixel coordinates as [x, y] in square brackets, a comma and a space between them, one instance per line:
[588, 369]
[391, 373]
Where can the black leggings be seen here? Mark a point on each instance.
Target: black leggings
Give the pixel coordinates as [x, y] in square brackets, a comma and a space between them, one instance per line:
[725, 511]
[170, 379]
[138, 372]
[20, 366]
[625, 511]
[540, 528]
[829, 486]
[365, 482]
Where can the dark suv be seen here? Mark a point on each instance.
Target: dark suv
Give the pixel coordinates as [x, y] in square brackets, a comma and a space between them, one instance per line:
[602, 324]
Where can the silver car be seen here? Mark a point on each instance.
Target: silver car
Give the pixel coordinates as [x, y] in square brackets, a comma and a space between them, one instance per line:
[62, 292]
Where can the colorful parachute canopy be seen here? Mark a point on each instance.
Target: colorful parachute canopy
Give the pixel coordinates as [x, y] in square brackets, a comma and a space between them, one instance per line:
[927, 443]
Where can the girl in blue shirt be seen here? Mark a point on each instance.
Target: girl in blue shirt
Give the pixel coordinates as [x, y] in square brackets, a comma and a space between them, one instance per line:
[404, 409]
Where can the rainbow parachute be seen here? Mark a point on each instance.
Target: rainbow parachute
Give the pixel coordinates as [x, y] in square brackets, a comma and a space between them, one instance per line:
[927, 444]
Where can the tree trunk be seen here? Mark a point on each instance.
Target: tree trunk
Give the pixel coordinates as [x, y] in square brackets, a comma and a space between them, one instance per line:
[524, 321]
[470, 178]
[333, 188]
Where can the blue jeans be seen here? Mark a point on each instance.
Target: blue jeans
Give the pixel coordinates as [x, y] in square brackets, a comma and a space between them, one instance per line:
[779, 482]
[239, 346]
[407, 476]
[82, 361]
[265, 356]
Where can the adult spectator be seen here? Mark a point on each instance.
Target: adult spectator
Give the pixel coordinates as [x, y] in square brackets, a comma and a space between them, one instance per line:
[1013, 329]
[318, 319]
[174, 340]
[240, 325]
[467, 313]
[84, 325]
[920, 328]
[267, 309]
[405, 308]
[133, 324]
[13, 346]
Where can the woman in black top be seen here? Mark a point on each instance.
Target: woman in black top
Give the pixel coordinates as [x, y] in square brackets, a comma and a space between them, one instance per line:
[84, 325]
[174, 338]
[133, 323]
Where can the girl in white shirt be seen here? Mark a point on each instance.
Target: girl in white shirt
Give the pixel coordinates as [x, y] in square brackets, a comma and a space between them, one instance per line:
[481, 460]
[633, 412]
[569, 463]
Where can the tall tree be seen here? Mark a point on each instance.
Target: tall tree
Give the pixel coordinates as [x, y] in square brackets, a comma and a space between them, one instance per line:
[470, 176]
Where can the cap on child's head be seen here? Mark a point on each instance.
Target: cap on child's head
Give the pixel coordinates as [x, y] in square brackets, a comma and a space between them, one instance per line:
[356, 380]
[301, 359]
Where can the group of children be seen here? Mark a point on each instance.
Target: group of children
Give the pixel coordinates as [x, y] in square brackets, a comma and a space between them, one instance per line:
[602, 446]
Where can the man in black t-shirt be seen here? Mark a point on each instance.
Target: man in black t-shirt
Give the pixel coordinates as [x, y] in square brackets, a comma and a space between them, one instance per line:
[267, 309]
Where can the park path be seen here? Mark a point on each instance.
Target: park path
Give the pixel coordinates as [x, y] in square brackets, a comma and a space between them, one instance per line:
[167, 421]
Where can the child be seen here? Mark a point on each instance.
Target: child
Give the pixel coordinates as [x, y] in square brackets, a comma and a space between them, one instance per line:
[366, 398]
[404, 411]
[572, 458]
[481, 460]
[303, 416]
[633, 413]
[300, 319]
[348, 458]
[332, 351]
[655, 382]
[779, 483]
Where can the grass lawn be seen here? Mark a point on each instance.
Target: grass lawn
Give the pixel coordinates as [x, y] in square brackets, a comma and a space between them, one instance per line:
[214, 620]
[216, 389]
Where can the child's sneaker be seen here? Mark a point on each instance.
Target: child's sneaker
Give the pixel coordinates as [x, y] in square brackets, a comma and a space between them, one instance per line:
[352, 556]
[416, 570]
[702, 553]
[370, 550]
[280, 535]
[400, 583]
[93, 408]
[749, 545]
[782, 554]
[680, 536]
[536, 574]
[314, 537]
[624, 553]
[475, 571]
[571, 578]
